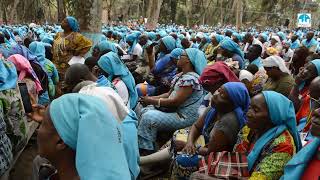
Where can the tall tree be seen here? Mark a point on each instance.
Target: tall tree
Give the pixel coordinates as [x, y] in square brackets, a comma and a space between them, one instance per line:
[154, 7]
[61, 10]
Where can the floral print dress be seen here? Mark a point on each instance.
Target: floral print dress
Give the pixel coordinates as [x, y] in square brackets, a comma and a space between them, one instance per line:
[273, 157]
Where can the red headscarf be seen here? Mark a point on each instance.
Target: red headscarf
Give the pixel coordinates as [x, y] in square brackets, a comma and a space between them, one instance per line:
[219, 71]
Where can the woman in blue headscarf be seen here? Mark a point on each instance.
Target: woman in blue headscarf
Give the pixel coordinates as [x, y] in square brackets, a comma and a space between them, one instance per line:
[219, 127]
[212, 48]
[177, 108]
[132, 40]
[126, 117]
[82, 139]
[273, 137]
[38, 49]
[300, 95]
[230, 49]
[69, 43]
[164, 69]
[121, 78]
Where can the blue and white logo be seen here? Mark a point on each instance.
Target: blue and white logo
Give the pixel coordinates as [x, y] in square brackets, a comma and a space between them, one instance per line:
[304, 20]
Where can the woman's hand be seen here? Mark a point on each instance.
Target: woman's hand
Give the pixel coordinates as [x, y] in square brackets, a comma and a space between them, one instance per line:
[146, 100]
[38, 113]
[179, 145]
[190, 148]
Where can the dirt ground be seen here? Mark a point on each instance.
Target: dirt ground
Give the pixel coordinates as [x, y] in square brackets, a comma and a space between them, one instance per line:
[23, 167]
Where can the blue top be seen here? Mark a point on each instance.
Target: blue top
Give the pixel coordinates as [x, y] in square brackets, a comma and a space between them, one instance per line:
[257, 62]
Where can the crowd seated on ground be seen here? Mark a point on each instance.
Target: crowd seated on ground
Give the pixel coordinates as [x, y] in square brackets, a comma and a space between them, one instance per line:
[172, 102]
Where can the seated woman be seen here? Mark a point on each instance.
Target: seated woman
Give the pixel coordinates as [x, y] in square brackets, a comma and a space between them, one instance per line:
[120, 76]
[11, 114]
[164, 68]
[219, 126]
[212, 78]
[126, 117]
[78, 73]
[272, 139]
[300, 92]
[63, 139]
[305, 164]
[230, 49]
[211, 51]
[299, 59]
[182, 102]
[38, 49]
[280, 79]
[306, 123]
[145, 89]
[27, 75]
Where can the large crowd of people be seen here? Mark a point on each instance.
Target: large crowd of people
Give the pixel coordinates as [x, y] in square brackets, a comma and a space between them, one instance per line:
[171, 102]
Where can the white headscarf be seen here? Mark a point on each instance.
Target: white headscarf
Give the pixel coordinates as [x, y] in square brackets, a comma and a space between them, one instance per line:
[244, 74]
[277, 38]
[276, 61]
[112, 100]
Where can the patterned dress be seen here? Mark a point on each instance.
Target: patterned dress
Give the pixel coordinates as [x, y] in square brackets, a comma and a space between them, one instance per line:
[64, 49]
[153, 120]
[5, 144]
[14, 117]
[273, 157]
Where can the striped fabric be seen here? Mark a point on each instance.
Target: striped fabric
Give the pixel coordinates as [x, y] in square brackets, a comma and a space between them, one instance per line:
[224, 165]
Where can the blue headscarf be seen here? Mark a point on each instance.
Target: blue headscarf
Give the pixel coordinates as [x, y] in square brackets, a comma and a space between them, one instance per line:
[133, 37]
[38, 49]
[240, 98]
[316, 63]
[264, 36]
[94, 133]
[8, 75]
[231, 46]
[297, 165]
[197, 58]
[282, 35]
[282, 115]
[106, 45]
[238, 36]
[112, 65]
[73, 23]
[169, 42]
[176, 53]
[152, 36]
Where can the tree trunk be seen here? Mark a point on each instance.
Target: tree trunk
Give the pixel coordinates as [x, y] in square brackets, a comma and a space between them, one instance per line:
[154, 6]
[173, 10]
[4, 14]
[239, 14]
[61, 12]
[89, 14]
[221, 13]
[188, 11]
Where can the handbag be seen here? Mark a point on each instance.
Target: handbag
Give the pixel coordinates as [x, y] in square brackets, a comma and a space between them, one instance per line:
[224, 165]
